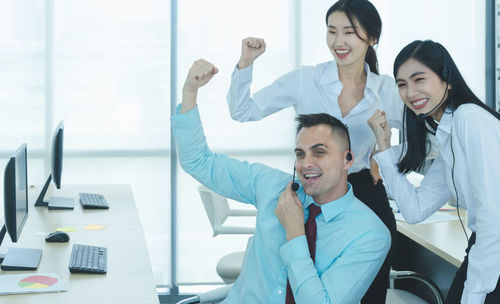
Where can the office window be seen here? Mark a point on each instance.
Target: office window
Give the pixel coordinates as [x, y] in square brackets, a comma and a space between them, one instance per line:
[22, 75]
[111, 67]
[109, 63]
[213, 30]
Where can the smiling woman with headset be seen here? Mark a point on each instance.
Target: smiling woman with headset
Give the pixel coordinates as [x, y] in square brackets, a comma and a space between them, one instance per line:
[437, 100]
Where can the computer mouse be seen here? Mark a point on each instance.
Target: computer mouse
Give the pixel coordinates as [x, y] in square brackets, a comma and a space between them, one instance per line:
[58, 236]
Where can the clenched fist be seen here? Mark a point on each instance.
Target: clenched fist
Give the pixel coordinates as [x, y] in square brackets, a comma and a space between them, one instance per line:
[290, 213]
[380, 126]
[251, 48]
[200, 73]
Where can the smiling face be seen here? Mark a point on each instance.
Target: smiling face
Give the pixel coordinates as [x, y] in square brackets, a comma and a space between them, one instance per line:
[420, 88]
[321, 163]
[344, 44]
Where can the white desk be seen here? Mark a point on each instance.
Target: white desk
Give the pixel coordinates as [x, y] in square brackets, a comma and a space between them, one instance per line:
[435, 249]
[129, 277]
[446, 239]
[122, 207]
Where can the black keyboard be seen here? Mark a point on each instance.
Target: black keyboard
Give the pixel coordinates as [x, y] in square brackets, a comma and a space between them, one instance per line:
[93, 201]
[88, 259]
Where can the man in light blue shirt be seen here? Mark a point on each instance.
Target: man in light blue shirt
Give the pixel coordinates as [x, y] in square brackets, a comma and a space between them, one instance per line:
[351, 242]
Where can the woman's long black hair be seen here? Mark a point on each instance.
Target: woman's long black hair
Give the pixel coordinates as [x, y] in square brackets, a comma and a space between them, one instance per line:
[368, 18]
[434, 56]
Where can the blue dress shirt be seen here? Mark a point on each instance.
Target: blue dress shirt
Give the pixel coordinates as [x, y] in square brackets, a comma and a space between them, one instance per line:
[351, 245]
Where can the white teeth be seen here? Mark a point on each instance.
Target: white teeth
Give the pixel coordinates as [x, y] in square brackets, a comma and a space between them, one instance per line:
[311, 175]
[342, 51]
[420, 102]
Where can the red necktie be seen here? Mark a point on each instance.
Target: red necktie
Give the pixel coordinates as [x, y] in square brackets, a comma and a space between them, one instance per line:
[310, 228]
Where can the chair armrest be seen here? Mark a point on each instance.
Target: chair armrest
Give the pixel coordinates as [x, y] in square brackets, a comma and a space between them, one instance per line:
[242, 212]
[216, 295]
[233, 230]
[401, 275]
[191, 300]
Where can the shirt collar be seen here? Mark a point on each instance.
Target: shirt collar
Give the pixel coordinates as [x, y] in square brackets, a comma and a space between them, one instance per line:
[331, 76]
[445, 124]
[333, 208]
[372, 82]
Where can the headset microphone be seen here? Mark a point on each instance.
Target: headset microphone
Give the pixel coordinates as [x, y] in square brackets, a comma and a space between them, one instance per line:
[423, 116]
[349, 154]
[295, 186]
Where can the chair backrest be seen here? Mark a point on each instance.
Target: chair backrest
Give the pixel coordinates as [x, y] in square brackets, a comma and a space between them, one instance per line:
[216, 206]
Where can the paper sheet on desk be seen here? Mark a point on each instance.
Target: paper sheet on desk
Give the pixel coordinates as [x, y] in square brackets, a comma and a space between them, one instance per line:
[30, 283]
[439, 216]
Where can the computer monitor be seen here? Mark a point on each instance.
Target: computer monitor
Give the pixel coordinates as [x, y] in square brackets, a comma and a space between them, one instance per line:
[16, 193]
[16, 212]
[56, 165]
[57, 155]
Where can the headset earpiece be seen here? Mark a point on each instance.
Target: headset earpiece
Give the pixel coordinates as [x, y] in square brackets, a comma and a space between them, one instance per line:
[348, 156]
[445, 73]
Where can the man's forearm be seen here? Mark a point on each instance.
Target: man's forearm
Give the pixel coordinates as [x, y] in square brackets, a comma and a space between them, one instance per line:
[189, 97]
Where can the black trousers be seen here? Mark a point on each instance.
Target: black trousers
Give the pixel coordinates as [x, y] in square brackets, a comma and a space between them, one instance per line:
[457, 286]
[375, 197]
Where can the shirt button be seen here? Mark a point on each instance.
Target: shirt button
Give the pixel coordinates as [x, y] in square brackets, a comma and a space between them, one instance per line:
[279, 291]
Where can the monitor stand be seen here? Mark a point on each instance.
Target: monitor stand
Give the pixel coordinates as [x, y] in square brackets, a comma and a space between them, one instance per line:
[61, 203]
[45, 198]
[22, 259]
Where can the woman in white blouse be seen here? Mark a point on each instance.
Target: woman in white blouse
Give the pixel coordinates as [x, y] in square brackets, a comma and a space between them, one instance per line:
[437, 100]
[348, 88]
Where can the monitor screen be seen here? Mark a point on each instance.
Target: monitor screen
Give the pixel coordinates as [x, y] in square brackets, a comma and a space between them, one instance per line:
[16, 193]
[56, 164]
[57, 155]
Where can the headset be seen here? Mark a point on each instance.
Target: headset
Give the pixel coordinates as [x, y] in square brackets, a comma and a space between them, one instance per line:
[348, 157]
[349, 154]
[432, 125]
[445, 75]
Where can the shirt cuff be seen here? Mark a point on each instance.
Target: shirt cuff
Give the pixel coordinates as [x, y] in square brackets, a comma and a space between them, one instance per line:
[471, 297]
[294, 249]
[385, 158]
[179, 118]
[386, 161]
[243, 75]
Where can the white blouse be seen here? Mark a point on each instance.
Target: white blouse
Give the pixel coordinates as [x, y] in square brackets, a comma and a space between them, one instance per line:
[469, 145]
[315, 89]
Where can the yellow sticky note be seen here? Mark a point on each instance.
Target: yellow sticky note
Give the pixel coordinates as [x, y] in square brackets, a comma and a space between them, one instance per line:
[94, 227]
[66, 229]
